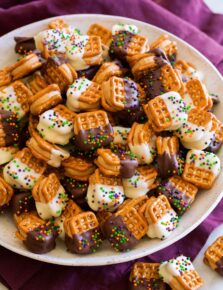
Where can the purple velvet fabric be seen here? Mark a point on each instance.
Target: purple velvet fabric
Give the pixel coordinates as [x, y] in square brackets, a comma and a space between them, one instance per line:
[192, 21]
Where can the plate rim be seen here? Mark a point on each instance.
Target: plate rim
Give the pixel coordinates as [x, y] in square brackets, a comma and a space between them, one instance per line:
[140, 252]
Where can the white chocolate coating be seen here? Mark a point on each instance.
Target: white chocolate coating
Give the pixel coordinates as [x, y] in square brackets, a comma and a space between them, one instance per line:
[57, 156]
[19, 175]
[175, 267]
[124, 27]
[8, 101]
[75, 51]
[104, 197]
[177, 109]
[120, 135]
[144, 153]
[200, 144]
[53, 208]
[7, 154]
[54, 128]
[204, 160]
[164, 227]
[74, 92]
[136, 186]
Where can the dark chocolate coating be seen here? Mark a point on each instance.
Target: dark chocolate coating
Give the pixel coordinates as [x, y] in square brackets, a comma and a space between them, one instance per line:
[85, 243]
[144, 284]
[214, 146]
[131, 102]
[215, 99]
[24, 44]
[41, 240]
[119, 45]
[57, 60]
[87, 140]
[75, 188]
[89, 72]
[117, 233]
[127, 161]
[219, 268]
[22, 202]
[167, 165]
[178, 200]
[10, 126]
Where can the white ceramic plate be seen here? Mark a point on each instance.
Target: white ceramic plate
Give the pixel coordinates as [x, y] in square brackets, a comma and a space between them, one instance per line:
[205, 202]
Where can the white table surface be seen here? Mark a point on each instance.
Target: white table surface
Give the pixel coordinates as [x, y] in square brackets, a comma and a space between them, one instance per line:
[212, 279]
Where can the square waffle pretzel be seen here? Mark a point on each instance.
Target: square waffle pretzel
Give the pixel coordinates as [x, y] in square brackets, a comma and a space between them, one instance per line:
[163, 42]
[188, 280]
[36, 83]
[199, 117]
[92, 48]
[214, 253]
[198, 93]
[98, 178]
[5, 77]
[103, 32]
[170, 79]
[71, 209]
[134, 222]
[91, 95]
[115, 88]
[136, 203]
[63, 75]
[158, 113]
[199, 176]
[64, 112]
[187, 188]
[27, 158]
[58, 23]
[90, 120]
[136, 44]
[46, 188]
[156, 208]
[80, 223]
[27, 224]
[146, 271]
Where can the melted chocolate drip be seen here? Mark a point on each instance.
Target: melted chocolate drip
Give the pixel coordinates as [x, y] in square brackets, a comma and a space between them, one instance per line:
[219, 265]
[88, 140]
[88, 73]
[10, 126]
[42, 239]
[85, 243]
[22, 202]
[119, 45]
[24, 44]
[120, 238]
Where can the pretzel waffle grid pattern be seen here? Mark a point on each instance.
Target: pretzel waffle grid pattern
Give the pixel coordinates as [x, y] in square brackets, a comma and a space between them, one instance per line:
[27, 158]
[190, 280]
[117, 91]
[159, 207]
[136, 44]
[98, 30]
[53, 74]
[22, 94]
[92, 47]
[91, 95]
[196, 93]
[30, 223]
[134, 222]
[82, 222]
[169, 78]
[199, 117]
[87, 121]
[215, 252]
[64, 112]
[198, 176]
[146, 270]
[159, 112]
[183, 186]
[99, 178]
